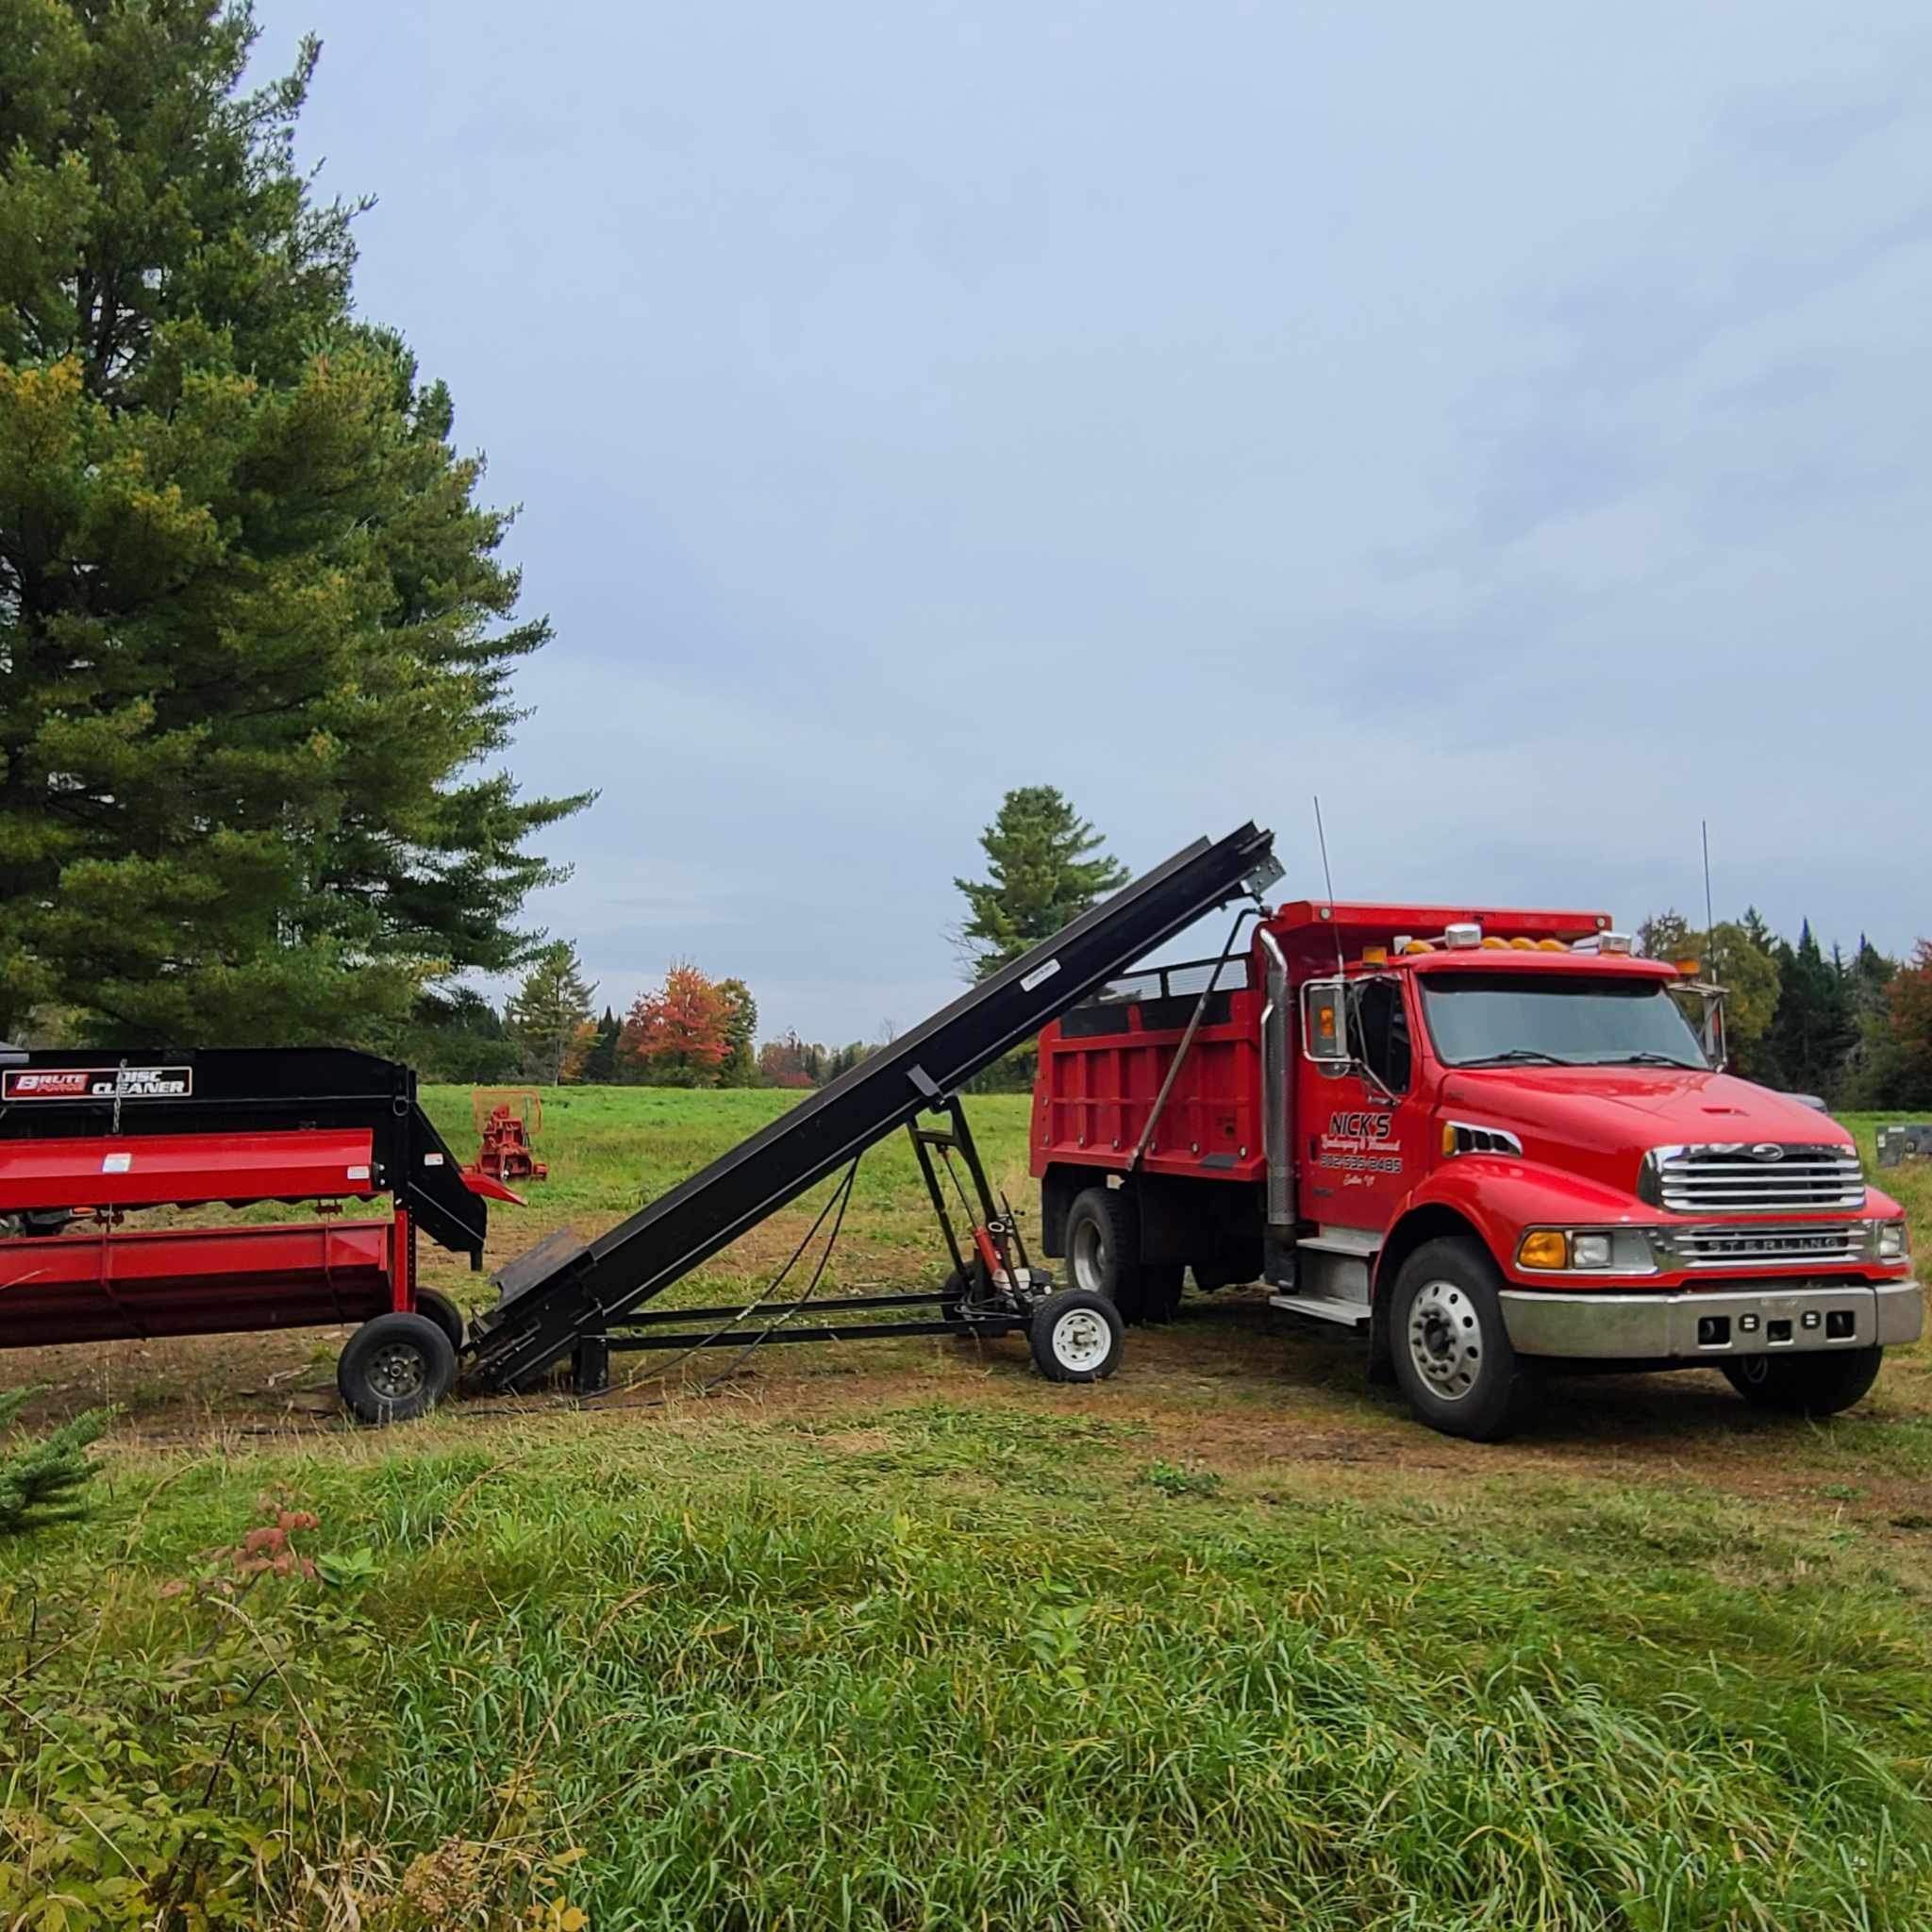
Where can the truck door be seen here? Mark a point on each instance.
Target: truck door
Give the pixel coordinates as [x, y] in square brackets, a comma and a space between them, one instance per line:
[1361, 1133]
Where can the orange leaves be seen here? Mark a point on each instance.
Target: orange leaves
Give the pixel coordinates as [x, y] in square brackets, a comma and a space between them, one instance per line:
[680, 1032]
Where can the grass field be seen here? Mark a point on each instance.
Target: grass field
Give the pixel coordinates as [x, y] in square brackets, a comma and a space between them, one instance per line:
[896, 1634]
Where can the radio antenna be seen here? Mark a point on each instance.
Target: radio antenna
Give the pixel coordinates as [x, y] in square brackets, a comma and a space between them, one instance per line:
[1328, 887]
[1709, 918]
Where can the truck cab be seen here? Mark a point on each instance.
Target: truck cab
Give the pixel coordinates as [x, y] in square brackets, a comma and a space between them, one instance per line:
[1490, 1140]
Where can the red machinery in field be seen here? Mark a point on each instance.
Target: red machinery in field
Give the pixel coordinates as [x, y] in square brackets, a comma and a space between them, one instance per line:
[88, 1138]
[509, 1125]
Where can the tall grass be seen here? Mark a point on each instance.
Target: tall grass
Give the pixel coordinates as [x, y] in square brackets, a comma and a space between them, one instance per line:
[965, 1668]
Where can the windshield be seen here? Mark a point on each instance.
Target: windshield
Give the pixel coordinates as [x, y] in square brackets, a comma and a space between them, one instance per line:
[1503, 1018]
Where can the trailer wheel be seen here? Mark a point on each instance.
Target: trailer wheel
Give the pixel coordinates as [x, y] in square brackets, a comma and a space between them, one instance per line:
[1075, 1336]
[396, 1368]
[1452, 1352]
[1104, 1250]
[1805, 1384]
[445, 1313]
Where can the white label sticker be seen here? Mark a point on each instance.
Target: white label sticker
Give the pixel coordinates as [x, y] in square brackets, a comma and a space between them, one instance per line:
[116, 1163]
[1040, 976]
[432, 1161]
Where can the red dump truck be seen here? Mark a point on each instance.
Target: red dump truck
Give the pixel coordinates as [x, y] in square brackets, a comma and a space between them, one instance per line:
[1492, 1142]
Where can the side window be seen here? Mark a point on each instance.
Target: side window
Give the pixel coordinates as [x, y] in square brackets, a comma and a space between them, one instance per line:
[1382, 1037]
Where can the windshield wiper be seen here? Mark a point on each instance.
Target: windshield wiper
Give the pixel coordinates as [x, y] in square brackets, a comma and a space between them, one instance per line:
[1647, 1059]
[1509, 1054]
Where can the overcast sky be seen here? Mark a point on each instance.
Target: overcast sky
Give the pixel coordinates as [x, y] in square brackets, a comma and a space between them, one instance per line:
[1510, 420]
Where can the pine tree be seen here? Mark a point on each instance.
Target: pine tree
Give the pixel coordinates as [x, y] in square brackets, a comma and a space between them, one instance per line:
[599, 1063]
[1040, 873]
[255, 632]
[39, 1476]
[1811, 1031]
[549, 1015]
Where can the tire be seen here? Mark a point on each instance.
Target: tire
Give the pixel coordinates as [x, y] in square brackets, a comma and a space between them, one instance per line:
[1161, 1291]
[396, 1368]
[1104, 1250]
[1451, 1351]
[1805, 1384]
[445, 1313]
[1076, 1336]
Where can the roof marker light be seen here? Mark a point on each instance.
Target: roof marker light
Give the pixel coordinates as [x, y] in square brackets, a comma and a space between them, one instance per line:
[1614, 943]
[1463, 937]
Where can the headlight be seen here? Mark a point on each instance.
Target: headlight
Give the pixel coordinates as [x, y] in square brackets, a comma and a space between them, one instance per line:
[1894, 1243]
[1587, 1251]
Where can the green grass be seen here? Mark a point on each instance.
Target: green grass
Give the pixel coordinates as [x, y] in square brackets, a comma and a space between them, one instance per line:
[1002, 1656]
[972, 1669]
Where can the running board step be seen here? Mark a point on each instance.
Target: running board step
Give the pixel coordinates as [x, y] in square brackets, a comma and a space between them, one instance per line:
[1363, 1242]
[1324, 1309]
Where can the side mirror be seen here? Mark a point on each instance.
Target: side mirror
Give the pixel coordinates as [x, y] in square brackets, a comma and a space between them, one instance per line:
[1324, 1023]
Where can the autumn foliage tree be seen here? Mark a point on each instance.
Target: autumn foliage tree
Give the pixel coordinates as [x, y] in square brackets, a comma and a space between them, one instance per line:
[679, 1034]
[1909, 996]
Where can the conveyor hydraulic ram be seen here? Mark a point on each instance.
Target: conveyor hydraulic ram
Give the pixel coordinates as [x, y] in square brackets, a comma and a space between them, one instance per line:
[551, 1300]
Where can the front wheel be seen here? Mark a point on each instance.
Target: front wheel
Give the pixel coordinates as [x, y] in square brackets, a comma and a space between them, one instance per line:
[1450, 1351]
[1805, 1384]
[1075, 1336]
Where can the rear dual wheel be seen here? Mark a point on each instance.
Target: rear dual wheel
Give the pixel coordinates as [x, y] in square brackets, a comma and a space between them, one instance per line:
[1104, 1258]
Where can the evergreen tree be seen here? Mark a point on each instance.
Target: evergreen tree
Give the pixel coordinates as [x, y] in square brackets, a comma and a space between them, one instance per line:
[1878, 1072]
[1042, 871]
[255, 632]
[459, 1036]
[1811, 1031]
[599, 1063]
[549, 1016]
[740, 1068]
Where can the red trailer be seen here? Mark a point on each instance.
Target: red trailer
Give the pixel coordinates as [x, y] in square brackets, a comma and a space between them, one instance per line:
[87, 1138]
[1489, 1140]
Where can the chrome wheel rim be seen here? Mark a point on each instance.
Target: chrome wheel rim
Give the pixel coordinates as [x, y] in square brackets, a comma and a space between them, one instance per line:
[1079, 1340]
[398, 1372]
[1445, 1339]
[1089, 1257]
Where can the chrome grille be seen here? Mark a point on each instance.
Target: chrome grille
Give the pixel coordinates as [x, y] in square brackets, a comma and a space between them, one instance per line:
[1752, 1178]
[1742, 1247]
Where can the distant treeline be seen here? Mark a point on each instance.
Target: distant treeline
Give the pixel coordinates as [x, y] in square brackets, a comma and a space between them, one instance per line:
[1856, 1028]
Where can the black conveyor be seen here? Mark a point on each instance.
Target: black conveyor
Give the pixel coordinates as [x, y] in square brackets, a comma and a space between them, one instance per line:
[551, 1299]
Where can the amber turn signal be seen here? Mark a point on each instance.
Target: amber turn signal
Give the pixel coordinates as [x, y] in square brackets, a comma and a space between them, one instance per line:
[1543, 1248]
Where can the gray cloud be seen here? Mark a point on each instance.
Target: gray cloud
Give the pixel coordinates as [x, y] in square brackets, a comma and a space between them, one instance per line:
[1509, 423]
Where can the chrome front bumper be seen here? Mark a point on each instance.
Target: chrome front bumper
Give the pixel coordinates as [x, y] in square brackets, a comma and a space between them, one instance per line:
[1709, 1324]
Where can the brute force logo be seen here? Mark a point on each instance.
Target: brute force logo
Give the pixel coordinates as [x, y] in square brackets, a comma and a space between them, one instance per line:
[99, 1083]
